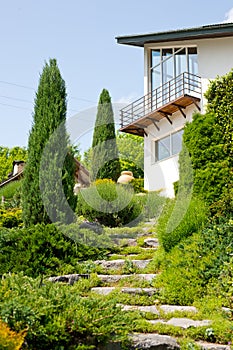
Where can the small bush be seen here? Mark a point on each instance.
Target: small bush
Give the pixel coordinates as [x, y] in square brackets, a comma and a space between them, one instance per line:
[11, 218]
[56, 316]
[111, 204]
[179, 220]
[10, 340]
[43, 250]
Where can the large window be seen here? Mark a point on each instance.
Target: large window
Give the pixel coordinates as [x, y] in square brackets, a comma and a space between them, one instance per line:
[168, 146]
[168, 63]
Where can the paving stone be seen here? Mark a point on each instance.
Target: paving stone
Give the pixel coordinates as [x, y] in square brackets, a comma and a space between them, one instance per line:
[69, 278]
[148, 291]
[152, 309]
[211, 346]
[183, 322]
[173, 308]
[116, 278]
[154, 342]
[119, 263]
[152, 242]
[103, 290]
[134, 291]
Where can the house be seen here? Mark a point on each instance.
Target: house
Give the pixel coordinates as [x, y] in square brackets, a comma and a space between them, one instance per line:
[178, 66]
[81, 176]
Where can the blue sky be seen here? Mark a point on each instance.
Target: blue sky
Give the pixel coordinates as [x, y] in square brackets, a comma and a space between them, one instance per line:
[81, 36]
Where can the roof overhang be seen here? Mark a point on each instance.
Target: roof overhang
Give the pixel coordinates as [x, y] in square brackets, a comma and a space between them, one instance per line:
[204, 32]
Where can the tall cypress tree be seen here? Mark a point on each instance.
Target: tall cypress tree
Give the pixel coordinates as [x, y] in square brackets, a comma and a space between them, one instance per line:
[105, 160]
[47, 191]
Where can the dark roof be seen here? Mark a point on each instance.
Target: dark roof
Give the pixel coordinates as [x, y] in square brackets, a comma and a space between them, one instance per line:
[207, 31]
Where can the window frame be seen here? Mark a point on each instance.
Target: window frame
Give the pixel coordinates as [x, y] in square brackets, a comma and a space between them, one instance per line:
[171, 148]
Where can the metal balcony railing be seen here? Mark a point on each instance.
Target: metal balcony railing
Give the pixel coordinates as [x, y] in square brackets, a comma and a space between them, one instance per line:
[185, 84]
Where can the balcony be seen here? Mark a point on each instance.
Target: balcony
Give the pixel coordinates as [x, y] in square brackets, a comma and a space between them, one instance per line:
[173, 96]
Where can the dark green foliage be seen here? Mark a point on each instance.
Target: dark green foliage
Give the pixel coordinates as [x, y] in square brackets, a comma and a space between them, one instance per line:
[105, 160]
[49, 172]
[210, 145]
[180, 220]
[109, 203]
[56, 316]
[43, 249]
[7, 156]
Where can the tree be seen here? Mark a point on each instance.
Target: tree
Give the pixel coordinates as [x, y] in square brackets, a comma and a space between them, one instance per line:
[131, 153]
[209, 142]
[7, 156]
[47, 189]
[105, 160]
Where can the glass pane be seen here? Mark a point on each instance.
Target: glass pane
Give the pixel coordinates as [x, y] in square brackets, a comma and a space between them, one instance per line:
[176, 139]
[168, 69]
[163, 148]
[181, 61]
[156, 72]
[192, 56]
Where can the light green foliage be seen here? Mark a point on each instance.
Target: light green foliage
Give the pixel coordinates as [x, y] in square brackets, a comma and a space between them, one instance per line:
[52, 172]
[191, 268]
[56, 316]
[11, 217]
[105, 159]
[12, 194]
[7, 156]
[131, 153]
[178, 222]
[109, 203]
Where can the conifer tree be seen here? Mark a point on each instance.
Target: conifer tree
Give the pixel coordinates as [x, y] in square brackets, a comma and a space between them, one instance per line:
[47, 191]
[105, 160]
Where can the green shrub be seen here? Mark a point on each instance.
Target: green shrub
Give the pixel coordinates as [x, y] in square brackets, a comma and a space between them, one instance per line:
[109, 203]
[11, 218]
[56, 315]
[11, 194]
[42, 249]
[198, 265]
[10, 340]
[138, 185]
[179, 220]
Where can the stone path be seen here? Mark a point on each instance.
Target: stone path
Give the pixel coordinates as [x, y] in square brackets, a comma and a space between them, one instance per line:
[109, 279]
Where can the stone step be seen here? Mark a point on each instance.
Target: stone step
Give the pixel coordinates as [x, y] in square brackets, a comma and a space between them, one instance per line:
[182, 322]
[127, 290]
[211, 346]
[153, 341]
[152, 242]
[116, 278]
[119, 263]
[71, 278]
[154, 309]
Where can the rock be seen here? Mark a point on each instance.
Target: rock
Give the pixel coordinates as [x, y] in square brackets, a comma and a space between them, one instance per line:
[152, 242]
[210, 346]
[173, 308]
[153, 342]
[131, 242]
[68, 278]
[103, 290]
[116, 278]
[183, 322]
[119, 263]
[134, 291]
[141, 291]
[152, 309]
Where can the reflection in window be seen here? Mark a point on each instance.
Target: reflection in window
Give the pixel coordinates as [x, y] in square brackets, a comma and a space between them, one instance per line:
[168, 63]
[168, 146]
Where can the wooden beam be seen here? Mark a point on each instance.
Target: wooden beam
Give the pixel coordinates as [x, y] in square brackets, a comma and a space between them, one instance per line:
[182, 112]
[178, 105]
[166, 116]
[195, 102]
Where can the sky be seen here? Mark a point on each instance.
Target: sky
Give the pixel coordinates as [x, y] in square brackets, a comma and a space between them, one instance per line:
[81, 36]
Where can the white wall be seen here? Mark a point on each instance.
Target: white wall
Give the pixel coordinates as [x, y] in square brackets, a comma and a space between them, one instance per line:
[159, 176]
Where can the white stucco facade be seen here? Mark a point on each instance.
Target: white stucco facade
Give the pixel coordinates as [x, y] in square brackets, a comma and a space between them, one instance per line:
[215, 57]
